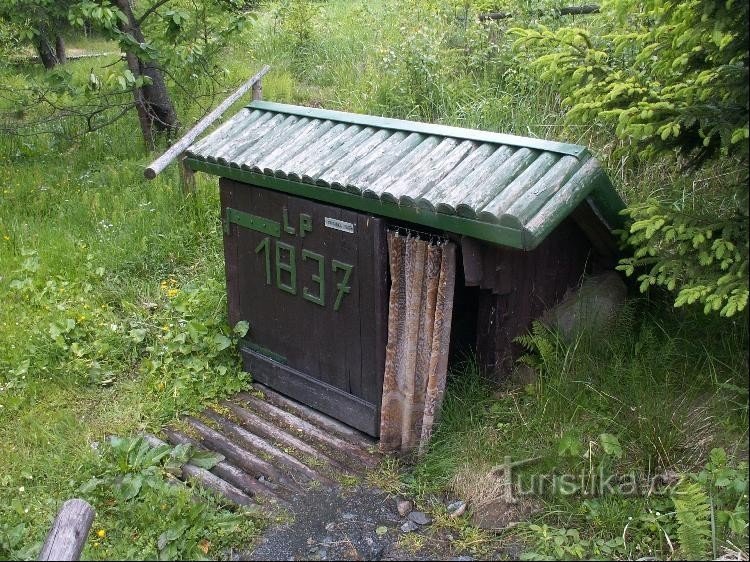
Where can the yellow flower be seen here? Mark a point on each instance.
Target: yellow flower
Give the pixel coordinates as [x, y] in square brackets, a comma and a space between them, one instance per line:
[101, 533]
[6, 237]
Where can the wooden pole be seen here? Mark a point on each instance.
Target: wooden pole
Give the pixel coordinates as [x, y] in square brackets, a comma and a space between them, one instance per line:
[179, 147]
[258, 90]
[564, 11]
[67, 537]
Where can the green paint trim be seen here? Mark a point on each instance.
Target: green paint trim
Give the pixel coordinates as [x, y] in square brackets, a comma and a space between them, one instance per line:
[320, 278]
[419, 127]
[264, 351]
[253, 222]
[343, 287]
[289, 267]
[497, 234]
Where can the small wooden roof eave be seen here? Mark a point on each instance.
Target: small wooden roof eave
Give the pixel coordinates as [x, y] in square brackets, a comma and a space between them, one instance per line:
[503, 189]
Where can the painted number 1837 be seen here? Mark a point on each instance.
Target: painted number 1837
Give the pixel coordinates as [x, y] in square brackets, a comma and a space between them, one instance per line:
[280, 261]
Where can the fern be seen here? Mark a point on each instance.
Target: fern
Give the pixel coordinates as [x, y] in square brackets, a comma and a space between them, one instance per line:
[542, 344]
[693, 514]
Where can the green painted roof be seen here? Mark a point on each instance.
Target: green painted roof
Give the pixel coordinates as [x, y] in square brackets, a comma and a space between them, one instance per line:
[506, 189]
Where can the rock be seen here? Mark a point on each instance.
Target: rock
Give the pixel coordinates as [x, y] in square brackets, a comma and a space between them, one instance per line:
[347, 516]
[419, 518]
[456, 509]
[591, 308]
[409, 527]
[330, 526]
[404, 507]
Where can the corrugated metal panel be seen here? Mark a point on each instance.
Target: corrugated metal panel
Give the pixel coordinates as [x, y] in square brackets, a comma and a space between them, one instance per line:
[523, 185]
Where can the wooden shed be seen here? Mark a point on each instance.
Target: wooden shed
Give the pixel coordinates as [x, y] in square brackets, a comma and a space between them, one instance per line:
[317, 205]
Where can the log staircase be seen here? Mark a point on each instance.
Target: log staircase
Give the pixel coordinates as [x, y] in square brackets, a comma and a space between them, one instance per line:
[273, 447]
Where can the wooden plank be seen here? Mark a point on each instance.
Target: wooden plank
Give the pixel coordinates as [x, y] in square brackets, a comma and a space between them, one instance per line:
[67, 537]
[206, 479]
[263, 447]
[179, 147]
[314, 392]
[267, 430]
[229, 472]
[322, 435]
[564, 11]
[215, 441]
[231, 257]
[471, 255]
[334, 427]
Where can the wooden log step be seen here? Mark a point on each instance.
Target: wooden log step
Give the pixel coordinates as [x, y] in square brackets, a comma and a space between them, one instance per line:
[281, 416]
[323, 421]
[206, 479]
[246, 460]
[69, 531]
[297, 469]
[267, 430]
[227, 471]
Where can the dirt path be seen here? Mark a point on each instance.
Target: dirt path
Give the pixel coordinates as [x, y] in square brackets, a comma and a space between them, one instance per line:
[358, 523]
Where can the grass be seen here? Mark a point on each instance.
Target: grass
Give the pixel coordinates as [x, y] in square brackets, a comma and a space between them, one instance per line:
[113, 300]
[666, 401]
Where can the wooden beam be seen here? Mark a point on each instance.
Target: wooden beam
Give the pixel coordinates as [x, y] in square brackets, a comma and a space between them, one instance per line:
[179, 147]
[207, 479]
[67, 537]
[564, 11]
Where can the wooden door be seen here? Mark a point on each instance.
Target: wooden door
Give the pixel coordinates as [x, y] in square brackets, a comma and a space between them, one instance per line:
[311, 280]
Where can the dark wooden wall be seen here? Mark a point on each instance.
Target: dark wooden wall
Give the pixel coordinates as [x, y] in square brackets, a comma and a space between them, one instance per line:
[516, 287]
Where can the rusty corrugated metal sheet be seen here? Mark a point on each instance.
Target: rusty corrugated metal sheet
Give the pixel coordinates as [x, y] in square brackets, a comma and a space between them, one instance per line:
[522, 184]
[419, 322]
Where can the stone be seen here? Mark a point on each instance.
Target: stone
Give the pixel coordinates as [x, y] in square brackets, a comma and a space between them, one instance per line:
[347, 516]
[409, 527]
[456, 509]
[419, 518]
[330, 526]
[591, 308]
[404, 507]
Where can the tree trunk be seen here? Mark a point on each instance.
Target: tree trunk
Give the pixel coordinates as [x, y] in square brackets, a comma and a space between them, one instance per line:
[62, 58]
[156, 111]
[44, 48]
